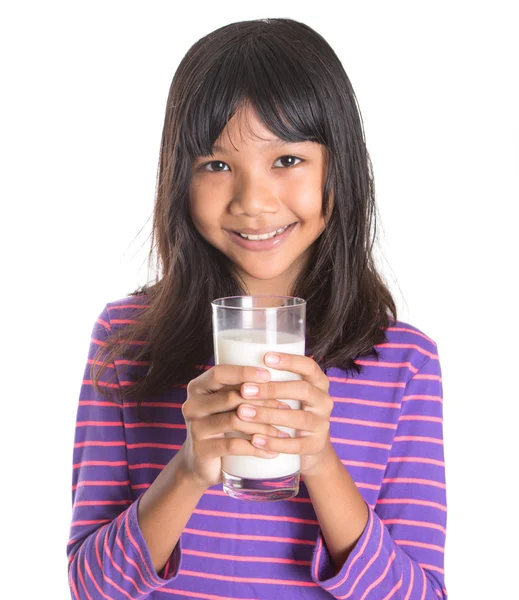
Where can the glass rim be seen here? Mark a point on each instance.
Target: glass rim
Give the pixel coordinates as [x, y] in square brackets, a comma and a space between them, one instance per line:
[299, 302]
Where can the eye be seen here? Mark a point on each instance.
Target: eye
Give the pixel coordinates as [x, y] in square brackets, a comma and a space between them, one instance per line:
[289, 158]
[219, 163]
[218, 166]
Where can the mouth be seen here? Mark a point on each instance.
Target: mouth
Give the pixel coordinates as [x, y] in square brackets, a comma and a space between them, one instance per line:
[262, 245]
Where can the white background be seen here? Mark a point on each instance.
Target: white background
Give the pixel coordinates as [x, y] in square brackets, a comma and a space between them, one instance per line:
[84, 93]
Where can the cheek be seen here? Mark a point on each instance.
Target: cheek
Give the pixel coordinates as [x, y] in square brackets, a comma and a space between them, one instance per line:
[202, 210]
[307, 201]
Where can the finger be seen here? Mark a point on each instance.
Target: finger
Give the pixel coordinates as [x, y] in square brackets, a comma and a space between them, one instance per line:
[217, 377]
[298, 445]
[300, 390]
[218, 447]
[301, 365]
[198, 407]
[301, 420]
[229, 422]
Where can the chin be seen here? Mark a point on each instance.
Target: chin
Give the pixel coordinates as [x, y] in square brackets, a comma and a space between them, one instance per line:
[262, 273]
[262, 276]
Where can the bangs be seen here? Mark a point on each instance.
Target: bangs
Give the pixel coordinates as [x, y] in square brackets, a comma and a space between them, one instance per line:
[265, 74]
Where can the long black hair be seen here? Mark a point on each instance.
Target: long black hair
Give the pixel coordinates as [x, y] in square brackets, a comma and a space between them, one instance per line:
[298, 87]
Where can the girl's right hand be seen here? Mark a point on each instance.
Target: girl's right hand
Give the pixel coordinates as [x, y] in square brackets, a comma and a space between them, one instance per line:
[210, 411]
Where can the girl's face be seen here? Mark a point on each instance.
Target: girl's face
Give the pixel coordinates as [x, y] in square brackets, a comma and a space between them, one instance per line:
[255, 181]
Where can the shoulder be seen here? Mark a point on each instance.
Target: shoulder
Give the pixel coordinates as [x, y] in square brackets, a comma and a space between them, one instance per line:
[400, 332]
[120, 311]
[125, 308]
[131, 299]
[407, 343]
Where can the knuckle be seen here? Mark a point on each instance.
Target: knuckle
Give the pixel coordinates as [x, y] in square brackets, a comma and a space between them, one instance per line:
[192, 388]
[307, 389]
[264, 415]
[308, 420]
[194, 430]
[186, 409]
[270, 390]
[234, 445]
[235, 421]
[196, 447]
[220, 422]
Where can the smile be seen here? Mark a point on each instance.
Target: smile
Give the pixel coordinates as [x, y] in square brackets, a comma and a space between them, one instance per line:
[261, 243]
[263, 236]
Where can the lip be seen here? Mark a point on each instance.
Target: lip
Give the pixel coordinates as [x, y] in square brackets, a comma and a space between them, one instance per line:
[263, 245]
[259, 231]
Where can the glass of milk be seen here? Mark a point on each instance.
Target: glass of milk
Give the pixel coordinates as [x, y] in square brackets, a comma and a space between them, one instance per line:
[245, 328]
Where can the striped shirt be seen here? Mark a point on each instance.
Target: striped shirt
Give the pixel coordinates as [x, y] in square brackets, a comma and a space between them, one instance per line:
[386, 427]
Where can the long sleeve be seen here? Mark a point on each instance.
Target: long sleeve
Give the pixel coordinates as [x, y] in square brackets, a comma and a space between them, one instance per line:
[401, 551]
[108, 556]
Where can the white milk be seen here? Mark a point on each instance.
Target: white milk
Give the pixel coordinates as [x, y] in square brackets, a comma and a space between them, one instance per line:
[248, 347]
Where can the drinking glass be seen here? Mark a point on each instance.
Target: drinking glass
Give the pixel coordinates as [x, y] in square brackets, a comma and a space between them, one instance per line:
[244, 329]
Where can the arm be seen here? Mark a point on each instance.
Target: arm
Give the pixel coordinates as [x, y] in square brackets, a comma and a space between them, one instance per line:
[165, 509]
[400, 551]
[339, 507]
[108, 550]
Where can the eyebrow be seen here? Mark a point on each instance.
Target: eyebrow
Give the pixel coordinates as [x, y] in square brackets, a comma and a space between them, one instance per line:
[273, 143]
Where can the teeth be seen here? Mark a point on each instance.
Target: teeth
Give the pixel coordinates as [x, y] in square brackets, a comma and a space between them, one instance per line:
[264, 236]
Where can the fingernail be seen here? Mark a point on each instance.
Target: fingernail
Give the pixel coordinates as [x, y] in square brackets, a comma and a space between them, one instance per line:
[250, 390]
[284, 406]
[262, 374]
[258, 441]
[284, 434]
[247, 411]
[271, 359]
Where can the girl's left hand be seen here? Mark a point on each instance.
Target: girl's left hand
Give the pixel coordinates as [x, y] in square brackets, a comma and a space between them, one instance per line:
[312, 421]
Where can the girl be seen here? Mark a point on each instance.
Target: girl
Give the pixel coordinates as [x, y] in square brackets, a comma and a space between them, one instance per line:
[261, 133]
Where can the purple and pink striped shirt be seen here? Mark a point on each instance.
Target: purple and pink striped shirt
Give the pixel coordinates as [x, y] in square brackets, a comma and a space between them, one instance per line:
[386, 427]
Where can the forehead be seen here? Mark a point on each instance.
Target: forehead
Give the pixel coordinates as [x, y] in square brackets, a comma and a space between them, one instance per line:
[243, 128]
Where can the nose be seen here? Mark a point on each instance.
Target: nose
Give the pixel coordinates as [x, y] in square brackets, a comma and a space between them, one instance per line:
[253, 195]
